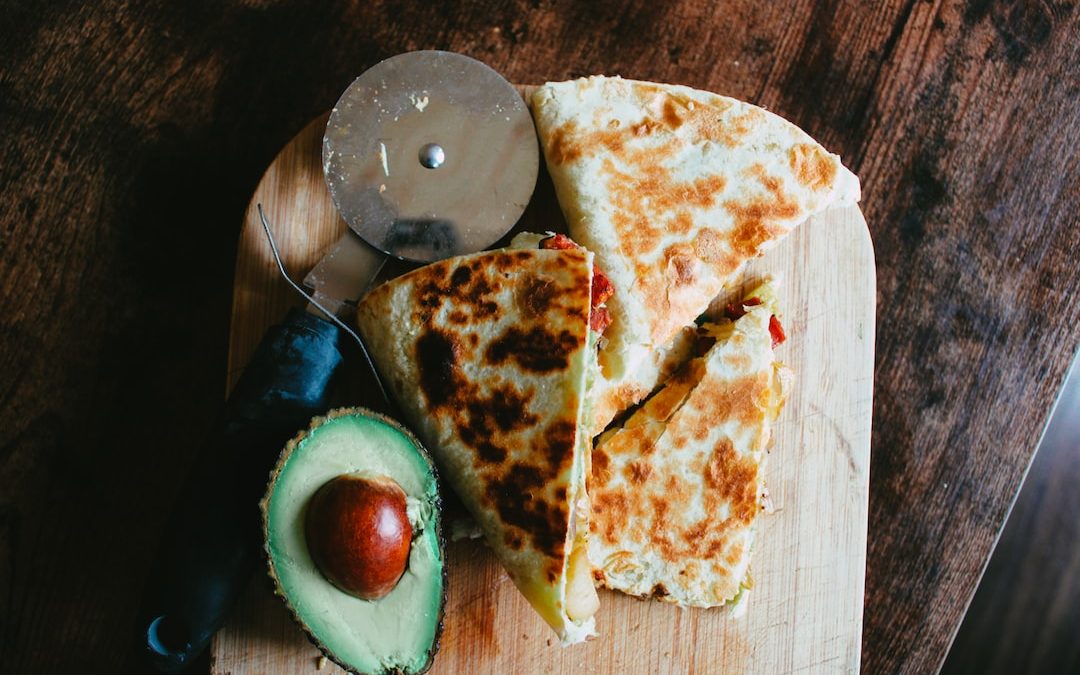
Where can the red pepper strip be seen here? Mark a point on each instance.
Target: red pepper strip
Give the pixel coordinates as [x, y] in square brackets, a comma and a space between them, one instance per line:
[599, 319]
[558, 242]
[602, 290]
[776, 331]
[736, 312]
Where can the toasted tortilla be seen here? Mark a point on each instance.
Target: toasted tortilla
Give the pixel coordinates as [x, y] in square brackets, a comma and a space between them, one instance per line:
[673, 189]
[676, 491]
[487, 356]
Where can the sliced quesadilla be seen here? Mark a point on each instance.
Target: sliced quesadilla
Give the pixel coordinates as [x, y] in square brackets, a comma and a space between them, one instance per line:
[488, 356]
[676, 490]
[673, 189]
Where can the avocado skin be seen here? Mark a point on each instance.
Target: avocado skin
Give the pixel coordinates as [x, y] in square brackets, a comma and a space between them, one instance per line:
[290, 447]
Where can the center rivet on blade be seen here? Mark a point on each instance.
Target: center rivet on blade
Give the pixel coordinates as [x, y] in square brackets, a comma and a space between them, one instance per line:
[432, 156]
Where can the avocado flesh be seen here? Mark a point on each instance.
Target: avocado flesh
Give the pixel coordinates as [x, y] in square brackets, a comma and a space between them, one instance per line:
[396, 633]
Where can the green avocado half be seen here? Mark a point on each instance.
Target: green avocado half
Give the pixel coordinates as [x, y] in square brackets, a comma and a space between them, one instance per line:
[397, 633]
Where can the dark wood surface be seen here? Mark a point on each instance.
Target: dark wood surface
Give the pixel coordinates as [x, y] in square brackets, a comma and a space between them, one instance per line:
[132, 136]
[1024, 617]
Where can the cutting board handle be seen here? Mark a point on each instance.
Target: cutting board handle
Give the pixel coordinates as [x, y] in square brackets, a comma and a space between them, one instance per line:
[211, 544]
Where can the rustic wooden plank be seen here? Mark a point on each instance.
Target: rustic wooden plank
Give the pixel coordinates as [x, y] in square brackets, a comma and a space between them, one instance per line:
[1006, 632]
[966, 119]
[133, 134]
[806, 607]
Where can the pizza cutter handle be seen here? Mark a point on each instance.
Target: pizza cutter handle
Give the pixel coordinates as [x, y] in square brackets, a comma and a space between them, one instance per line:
[212, 541]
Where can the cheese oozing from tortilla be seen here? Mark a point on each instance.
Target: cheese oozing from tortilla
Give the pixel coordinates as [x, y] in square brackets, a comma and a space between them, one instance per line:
[673, 189]
[677, 489]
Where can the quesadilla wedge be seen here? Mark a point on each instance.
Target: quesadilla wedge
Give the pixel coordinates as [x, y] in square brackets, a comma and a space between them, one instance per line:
[488, 356]
[673, 189]
[677, 489]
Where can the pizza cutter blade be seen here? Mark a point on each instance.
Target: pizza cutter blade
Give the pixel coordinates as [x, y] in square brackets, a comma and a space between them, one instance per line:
[426, 155]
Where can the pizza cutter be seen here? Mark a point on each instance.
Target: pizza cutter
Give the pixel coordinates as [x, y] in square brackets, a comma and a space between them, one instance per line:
[426, 155]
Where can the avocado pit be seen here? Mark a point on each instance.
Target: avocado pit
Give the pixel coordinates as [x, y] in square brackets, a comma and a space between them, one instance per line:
[358, 534]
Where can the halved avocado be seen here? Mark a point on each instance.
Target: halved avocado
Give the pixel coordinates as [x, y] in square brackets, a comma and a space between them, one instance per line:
[398, 632]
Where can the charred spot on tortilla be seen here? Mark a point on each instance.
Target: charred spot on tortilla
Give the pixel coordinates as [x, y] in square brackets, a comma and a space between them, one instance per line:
[490, 453]
[483, 420]
[467, 290]
[508, 407]
[616, 508]
[461, 276]
[684, 268]
[812, 166]
[696, 533]
[429, 297]
[458, 317]
[563, 146]
[517, 496]
[600, 464]
[560, 438]
[537, 295]
[436, 357]
[671, 113]
[536, 350]
[733, 479]
[514, 541]
[638, 472]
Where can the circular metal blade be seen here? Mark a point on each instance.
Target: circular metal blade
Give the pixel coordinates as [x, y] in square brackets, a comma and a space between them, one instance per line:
[430, 154]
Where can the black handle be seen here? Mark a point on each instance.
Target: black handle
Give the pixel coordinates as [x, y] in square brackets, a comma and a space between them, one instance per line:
[212, 542]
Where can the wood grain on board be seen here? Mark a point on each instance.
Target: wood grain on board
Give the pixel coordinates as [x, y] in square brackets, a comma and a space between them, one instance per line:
[805, 611]
[133, 134]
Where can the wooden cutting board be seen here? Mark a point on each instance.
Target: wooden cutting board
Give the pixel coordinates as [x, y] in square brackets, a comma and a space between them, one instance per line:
[805, 612]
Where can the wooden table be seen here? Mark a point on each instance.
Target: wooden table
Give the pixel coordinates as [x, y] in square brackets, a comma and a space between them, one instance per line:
[133, 136]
